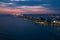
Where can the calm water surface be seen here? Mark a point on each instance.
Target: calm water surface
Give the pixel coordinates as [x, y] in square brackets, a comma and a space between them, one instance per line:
[14, 28]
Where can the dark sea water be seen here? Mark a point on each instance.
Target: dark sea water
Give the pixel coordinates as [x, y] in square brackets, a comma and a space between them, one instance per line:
[14, 28]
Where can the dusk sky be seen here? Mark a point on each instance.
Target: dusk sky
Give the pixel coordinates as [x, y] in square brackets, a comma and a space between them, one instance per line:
[30, 6]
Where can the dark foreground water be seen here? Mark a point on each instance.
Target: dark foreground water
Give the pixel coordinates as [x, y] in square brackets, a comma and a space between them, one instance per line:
[14, 28]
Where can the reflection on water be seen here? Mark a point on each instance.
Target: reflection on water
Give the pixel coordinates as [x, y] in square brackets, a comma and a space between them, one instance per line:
[14, 28]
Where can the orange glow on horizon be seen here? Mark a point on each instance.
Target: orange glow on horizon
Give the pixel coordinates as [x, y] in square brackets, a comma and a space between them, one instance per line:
[8, 10]
[35, 10]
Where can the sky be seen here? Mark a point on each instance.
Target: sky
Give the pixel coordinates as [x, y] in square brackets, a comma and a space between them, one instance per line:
[30, 6]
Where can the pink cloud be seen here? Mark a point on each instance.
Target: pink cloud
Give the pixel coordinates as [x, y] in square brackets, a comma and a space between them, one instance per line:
[26, 9]
[9, 10]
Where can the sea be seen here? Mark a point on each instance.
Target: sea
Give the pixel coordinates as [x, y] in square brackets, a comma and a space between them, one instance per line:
[15, 28]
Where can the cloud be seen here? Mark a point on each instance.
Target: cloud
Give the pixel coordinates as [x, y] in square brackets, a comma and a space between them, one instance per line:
[19, 0]
[3, 4]
[36, 9]
[26, 9]
[25, 0]
[11, 7]
[30, 7]
[10, 10]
